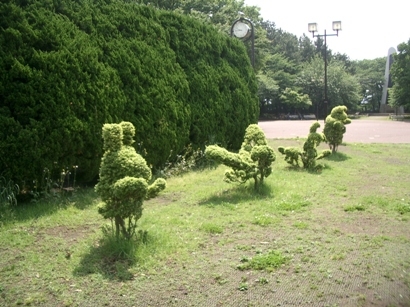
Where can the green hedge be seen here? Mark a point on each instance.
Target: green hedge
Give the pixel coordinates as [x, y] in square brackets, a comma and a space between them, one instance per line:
[67, 67]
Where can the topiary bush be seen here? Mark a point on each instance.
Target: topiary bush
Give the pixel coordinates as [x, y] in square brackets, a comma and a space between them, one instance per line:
[254, 160]
[335, 127]
[124, 179]
[308, 156]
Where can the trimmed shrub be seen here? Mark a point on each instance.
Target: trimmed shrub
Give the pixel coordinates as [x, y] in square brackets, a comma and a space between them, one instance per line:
[335, 127]
[308, 155]
[124, 180]
[254, 159]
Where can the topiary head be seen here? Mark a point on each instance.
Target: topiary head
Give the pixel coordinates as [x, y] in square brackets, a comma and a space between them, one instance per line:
[112, 136]
[128, 131]
[339, 113]
[314, 127]
[253, 136]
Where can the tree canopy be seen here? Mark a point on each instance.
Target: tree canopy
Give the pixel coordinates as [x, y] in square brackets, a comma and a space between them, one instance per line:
[400, 72]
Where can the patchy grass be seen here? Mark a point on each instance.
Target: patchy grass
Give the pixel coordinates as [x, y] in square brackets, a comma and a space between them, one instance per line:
[337, 237]
[268, 262]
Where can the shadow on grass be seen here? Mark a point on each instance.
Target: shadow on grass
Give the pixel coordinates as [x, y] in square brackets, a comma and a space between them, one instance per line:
[337, 157]
[111, 257]
[239, 194]
[317, 170]
[34, 209]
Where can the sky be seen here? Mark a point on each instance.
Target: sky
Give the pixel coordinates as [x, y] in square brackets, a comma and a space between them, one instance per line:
[369, 28]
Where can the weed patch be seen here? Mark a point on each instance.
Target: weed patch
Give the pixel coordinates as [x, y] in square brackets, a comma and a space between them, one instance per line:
[351, 208]
[268, 262]
[212, 228]
[403, 208]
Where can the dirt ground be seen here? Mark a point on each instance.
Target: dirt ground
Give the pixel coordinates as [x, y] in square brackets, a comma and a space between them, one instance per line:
[368, 130]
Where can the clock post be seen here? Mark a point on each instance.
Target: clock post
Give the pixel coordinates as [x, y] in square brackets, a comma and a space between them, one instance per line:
[243, 29]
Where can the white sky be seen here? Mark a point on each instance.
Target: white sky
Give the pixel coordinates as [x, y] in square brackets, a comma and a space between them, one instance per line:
[369, 27]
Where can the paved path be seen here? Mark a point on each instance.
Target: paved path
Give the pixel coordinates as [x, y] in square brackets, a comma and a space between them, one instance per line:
[371, 130]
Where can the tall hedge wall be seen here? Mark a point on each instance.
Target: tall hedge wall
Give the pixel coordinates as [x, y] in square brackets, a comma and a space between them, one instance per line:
[69, 66]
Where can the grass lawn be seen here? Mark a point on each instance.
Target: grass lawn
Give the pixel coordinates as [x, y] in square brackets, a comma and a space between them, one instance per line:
[336, 237]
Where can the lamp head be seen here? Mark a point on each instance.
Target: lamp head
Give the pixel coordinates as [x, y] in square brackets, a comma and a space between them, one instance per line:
[337, 26]
[312, 27]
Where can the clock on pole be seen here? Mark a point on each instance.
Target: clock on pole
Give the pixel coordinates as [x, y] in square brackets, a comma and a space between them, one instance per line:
[241, 30]
[244, 30]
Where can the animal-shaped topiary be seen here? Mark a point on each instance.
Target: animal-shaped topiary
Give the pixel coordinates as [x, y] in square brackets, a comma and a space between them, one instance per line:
[335, 127]
[254, 159]
[124, 179]
[308, 156]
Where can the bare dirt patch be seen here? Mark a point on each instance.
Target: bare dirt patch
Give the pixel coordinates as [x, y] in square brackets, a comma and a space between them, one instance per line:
[68, 233]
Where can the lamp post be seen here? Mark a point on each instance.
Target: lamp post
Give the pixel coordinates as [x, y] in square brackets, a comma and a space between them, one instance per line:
[312, 27]
[243, 29]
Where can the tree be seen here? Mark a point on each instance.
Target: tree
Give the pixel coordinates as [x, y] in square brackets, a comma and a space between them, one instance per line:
[335, 127]
[308, 155]
[254, 159]
[296, 100]
[267, 89]
[124, 179]
[370, 74]
[277, 74]
[281, 42]
[306, 48]
[400, 73]
[343, 88]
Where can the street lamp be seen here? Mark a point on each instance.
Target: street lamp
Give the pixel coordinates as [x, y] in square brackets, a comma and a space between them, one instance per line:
[243, 29]
[312, 27]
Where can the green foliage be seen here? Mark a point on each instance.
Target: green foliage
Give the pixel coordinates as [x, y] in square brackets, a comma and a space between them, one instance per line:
[335, 127]
[277, 75]
[8, 192]
[268, 262]
[343, 87]
[218, 76]
[293, 98]
[370, 74]
[403, 208]
[401, 75]
[352, 208]
[308, 156]
[254, 159]
[68, 67]
[212, 228]
[124, 179]
[189, 160]
[8, 198]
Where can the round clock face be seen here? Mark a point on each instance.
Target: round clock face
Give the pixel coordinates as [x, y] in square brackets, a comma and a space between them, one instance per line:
[241, 29]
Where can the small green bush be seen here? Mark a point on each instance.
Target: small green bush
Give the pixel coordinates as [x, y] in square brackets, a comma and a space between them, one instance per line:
[254, 159]
[124, 179]
[308, 156]
[335, 127]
